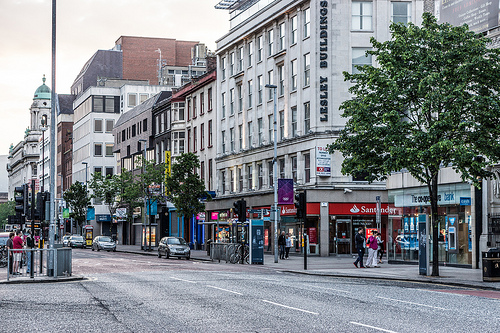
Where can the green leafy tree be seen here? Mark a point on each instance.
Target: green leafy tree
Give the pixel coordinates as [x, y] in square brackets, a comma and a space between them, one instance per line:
[77, 197]
[185, 188]
[107, 190]
[6, 209]
[130, 195]
[432, 102]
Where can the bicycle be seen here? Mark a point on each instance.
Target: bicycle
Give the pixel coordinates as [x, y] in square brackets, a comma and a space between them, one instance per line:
[4, 257]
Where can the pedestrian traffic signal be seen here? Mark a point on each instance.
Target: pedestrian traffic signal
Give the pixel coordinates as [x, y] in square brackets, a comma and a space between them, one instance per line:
[301, 204]
[240, 209]
[42, 198]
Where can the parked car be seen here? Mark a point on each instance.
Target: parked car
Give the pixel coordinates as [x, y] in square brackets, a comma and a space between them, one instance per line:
[174, 247]
[103, 243]
[65, 240]
[76, 241]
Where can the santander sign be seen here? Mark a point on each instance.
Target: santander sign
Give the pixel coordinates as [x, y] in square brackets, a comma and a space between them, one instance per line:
[361, 209]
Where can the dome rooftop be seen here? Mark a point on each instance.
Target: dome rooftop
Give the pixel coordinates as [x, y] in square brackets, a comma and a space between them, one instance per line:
[43, 92]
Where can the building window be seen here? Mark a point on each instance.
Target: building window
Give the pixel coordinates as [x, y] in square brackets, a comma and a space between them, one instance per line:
[250, 53]
[307, 70]
[250, 133]
[250, 178]
[401, 12]
[189, 109]
[281, 44]
[294, 168]
[195, 139]
[231, 64]
[123, 135]
[362, 15]
[270, 37]
[97, 149]
[281, 163]
[202, 103]
[360, 58]
[260, 131]
[307, 167]
[282, 125]
[223, 143]
[240, 59]
[223, 181]
[231, 101]
[307, 117]
[145, 125]
[195, 113]
[281, 78]
[109, 125]
[270, 168]
[294, 121]
[231, 176]
[182, 136]
[259, 87]
[209, 99]
[240, 136]
[132, 100]
[143, 98]
[293, 68]
[240, 180]
[307, 22]
[223, 107]
[240, 98]
[293, 37]
[270, 79]
[210, 133]
[260, 182]
[202, 170]
[202, 136]
[231, 139]
[189, 141]
[260, 47]
[109, 150]
[270, 121]
[223, 66]
[250, 90]
[97, 125]
[210, 174]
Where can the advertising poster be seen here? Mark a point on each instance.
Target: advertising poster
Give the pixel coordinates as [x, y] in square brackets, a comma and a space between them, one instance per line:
[313, 235]
[479, 15]
[323, 162]
[285, 191]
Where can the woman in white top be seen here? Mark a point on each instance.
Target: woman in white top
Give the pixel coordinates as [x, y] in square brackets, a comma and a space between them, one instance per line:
[288, 245]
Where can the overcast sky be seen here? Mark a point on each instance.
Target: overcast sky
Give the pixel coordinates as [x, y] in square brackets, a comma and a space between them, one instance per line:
[83, 27]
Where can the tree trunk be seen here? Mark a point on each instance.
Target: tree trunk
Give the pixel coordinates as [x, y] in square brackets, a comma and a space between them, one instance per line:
[433, 193]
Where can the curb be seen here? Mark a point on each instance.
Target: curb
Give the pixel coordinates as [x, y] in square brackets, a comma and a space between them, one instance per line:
[45, 279]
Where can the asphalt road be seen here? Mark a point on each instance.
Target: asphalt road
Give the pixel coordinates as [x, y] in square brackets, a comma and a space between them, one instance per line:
[133, 293]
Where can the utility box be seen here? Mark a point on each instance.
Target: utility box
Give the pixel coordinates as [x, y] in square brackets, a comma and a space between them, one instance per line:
[491, 265]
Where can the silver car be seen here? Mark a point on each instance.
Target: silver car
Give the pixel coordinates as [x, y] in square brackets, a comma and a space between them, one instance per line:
[105, 243]
[174, 247]
[65, 240]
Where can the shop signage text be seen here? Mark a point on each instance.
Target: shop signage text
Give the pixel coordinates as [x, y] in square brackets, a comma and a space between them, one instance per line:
[323, 59]
[362, 209]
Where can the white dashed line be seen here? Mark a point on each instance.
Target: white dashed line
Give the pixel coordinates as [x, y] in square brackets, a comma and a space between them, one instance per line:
[398, 300]
[289, 307]
[229, 291]
[375, 328]
[182, 280]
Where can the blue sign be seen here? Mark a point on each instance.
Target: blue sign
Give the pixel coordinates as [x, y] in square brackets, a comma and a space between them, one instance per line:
[152, 207]
[90, 213]
[103, 218]
[464, 201]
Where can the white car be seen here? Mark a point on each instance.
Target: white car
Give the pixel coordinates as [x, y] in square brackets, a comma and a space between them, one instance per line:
[65, 240]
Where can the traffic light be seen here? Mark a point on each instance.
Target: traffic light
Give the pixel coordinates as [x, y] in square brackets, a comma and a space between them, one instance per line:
[19, 199]
[28, 202]
[300, 204]
[240, 209]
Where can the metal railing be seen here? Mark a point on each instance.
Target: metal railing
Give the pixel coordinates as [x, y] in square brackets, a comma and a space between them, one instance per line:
[230, 252]
[62, 258]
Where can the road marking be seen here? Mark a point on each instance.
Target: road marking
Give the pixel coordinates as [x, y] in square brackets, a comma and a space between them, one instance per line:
[289, 307]
[182, 280]
[333, 289]
[397, 300]
[375, 328]
[229, 291]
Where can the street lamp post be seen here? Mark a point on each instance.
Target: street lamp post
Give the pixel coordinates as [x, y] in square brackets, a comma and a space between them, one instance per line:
[146, 248]
[275, 175]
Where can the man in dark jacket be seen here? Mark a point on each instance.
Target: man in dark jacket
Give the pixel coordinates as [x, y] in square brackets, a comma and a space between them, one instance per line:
[360, 247]
[10, 245]
[281, 245]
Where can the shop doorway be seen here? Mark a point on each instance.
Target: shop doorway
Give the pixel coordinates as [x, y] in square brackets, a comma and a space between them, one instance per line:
[343, 236]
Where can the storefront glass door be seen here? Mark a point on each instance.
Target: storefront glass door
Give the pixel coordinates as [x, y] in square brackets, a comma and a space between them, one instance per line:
[343, 236]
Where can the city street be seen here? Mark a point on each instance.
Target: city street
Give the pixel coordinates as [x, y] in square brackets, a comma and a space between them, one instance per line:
[133, 293]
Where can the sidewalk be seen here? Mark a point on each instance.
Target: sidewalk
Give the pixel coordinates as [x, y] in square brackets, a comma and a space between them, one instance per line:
[336, 266]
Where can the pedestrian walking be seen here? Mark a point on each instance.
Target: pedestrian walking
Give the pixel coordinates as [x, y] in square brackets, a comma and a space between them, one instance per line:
[381, 247]
[281, 245]
[372, 250]
[10, 245]
[17, 244]
[288, 245]
[360, 247]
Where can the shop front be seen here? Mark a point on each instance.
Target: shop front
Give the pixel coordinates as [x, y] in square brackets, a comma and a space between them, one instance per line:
[346, 218]
[454, 223]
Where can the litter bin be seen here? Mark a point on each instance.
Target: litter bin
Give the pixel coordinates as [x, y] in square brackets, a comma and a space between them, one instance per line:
[491, 265]
[209, 242]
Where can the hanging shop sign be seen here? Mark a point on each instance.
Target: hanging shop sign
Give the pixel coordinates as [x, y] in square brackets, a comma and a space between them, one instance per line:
[323, 162]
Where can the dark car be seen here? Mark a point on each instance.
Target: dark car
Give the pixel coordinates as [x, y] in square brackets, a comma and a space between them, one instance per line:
[76, 241]
[103, 243]
[174, 247]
